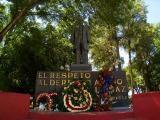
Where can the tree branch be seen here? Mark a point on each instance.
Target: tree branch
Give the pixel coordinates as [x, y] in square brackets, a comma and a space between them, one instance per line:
[13, 22]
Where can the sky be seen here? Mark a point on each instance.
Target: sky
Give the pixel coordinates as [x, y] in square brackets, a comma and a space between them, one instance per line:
[153, 7]
[153, 16]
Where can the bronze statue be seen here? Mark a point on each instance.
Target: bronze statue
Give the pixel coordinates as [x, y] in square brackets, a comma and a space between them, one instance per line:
[80, 39]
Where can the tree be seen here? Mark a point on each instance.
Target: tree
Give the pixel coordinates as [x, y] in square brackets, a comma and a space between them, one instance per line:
[135, 16]
[3, 16]
[109, 15]
[53, 11]
[16, 17]
[31, 46]
[147, 55]
[35, 49]
[139, 84]
[39, 30]
[103, 51]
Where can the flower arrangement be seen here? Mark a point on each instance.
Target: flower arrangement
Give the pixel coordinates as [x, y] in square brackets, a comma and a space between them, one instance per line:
[76, 96]
[46, 96]
[101, 85]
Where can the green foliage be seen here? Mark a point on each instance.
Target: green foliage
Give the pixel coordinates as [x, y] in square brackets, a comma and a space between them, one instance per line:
[33, 50]
[146, 53]
[139, 38]
[137, 78]
[155, 79]
[103, 53]
[31, 46]
[39, 40]
[111, 12]
[4, 15]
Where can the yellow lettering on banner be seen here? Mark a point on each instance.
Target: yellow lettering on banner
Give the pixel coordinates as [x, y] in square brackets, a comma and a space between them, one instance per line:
[40, 75]
[87, 75]
[64, 82]
[123, 88]
[44, 75]
[75, 75]
[57, 75]
[70, 75]
[58, 82]
[119, 81]
[64, 75]
[81, 74]
[111, 87]
[40, 83]
[117, 89]
[68, 81]
[52, 75]
[52, 82]
[115, 81]
[43, 83]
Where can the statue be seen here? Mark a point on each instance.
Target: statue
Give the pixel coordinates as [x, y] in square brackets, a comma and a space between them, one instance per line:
[80, 39]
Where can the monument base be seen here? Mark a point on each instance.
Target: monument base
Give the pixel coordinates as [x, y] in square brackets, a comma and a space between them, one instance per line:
[81, 67]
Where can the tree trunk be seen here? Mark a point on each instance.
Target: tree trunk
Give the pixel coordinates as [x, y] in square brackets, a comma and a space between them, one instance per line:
[130, 66]
[16, 19]
[116, 40]
[147, 78]
[118, 54]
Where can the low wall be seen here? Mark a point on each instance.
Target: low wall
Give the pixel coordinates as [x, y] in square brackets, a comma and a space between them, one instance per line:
[146, 106]
[82, 116]
[14, 106]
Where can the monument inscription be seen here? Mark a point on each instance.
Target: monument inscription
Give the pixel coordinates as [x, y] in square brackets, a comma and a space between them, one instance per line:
[48, 81]
[54, 81]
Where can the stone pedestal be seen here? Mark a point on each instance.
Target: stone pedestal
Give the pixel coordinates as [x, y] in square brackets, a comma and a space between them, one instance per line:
[81, 67]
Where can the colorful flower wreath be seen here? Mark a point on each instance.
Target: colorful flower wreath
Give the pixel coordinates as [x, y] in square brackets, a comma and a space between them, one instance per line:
[104, 80]
[48, 97]
[76, 97]
[101, 85]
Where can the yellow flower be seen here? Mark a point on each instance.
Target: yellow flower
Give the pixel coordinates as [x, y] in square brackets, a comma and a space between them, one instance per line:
[75, 90]
[110, 69]
[84, 83]
[65, 88]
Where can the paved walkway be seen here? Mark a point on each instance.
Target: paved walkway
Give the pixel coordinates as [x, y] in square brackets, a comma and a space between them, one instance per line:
[122, 109]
